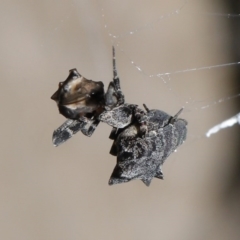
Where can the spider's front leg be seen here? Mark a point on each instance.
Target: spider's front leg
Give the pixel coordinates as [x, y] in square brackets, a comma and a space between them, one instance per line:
[71, 127]
[116, 81]
[114, 96]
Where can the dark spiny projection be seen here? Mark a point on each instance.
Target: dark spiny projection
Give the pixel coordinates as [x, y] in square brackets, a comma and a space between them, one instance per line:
[142, 140]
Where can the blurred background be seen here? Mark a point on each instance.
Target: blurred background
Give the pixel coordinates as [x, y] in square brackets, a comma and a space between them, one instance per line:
[49, 193]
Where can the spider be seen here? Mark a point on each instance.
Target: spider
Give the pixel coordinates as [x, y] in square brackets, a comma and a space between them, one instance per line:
[142, 140]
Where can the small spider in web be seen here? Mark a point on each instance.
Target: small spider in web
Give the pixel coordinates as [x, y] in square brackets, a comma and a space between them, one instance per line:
[142, 140]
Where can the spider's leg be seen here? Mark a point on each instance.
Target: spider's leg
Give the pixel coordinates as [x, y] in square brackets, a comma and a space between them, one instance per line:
[146, 108]
[66, 131]
[116, 81]
[113, 136]
[71, 127]
[111, 99]
[175, 117]
[114, 133]
[90, 126]
[115, 75]
[114, 96]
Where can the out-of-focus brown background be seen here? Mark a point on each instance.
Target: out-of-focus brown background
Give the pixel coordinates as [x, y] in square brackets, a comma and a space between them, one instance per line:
[49, 193]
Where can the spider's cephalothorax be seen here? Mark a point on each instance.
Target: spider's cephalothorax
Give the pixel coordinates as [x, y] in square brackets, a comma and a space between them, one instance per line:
[82, 101]
[142, 140]
[77, 96]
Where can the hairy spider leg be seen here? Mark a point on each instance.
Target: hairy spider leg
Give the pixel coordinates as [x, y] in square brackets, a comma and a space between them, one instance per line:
[146, 108]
